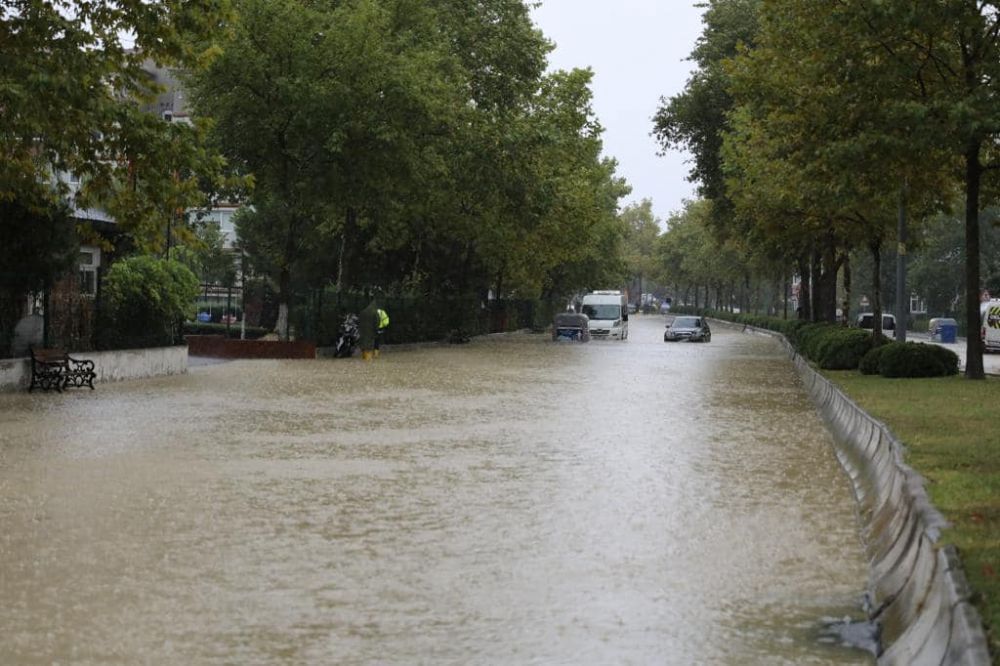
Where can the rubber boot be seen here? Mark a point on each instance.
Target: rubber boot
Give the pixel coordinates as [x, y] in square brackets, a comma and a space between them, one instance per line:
[375, 353]
[366, 355]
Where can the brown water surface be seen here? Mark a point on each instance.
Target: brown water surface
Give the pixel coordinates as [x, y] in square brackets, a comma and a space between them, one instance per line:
[509, 501]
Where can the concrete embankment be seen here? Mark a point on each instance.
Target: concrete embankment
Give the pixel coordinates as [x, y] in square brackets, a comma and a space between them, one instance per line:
[110, 366]
[918, 592]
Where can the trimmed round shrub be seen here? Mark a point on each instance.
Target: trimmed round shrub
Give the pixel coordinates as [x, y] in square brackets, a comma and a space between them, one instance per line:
[869, 364]
[948, 359]
[843, 348]
[808, 338]
[916, 359]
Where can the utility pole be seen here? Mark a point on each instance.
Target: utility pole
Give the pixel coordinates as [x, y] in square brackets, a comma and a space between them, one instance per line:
[902, 297]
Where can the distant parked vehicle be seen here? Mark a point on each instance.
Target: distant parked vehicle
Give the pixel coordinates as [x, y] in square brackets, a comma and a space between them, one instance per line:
[571, 326]
[690, 329]
[608, 313]
[989, 313]
[866, 320]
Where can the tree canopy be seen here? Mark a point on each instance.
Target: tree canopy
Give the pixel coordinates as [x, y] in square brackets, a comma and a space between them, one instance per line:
[411, 145]
[73, 81]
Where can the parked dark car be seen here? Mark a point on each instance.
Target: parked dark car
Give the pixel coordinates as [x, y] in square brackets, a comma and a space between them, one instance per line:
[691, 329]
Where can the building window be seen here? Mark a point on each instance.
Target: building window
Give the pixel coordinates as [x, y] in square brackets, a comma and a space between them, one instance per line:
[90, 261]
[918, 305]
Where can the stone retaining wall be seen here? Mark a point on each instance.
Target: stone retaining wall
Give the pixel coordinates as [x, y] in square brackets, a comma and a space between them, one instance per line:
[919, 593]
[110, 366]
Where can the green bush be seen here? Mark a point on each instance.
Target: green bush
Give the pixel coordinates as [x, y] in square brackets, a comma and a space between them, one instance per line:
[810, 337]
[869, 364]
[144, 300]
[916, 359]
[842, 348]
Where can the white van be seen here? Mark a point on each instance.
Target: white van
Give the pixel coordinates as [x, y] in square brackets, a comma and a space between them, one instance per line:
[608, 313]
[866, 320]
[989, 317]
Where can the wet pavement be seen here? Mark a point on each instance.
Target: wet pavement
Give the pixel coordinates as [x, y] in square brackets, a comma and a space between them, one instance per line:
[508, 501]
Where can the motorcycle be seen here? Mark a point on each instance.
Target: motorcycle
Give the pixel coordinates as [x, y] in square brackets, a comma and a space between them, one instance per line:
[347, 341]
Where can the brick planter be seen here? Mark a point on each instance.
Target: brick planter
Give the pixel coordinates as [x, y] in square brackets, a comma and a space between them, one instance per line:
[219, 346]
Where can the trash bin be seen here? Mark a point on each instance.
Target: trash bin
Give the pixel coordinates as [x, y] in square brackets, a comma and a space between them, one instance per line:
[949, 330]
[943, 329]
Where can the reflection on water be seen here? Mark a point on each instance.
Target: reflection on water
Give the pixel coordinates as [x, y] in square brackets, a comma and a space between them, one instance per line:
[512, 500]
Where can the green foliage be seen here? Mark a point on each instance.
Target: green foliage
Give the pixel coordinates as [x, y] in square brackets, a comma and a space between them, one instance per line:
[869, 364]
[418, 146]
[73, 94]
[843, 348]
[206, 256]
[144, 300]
[642, 230]
[808, 339]
[915, 359]
[39, 245]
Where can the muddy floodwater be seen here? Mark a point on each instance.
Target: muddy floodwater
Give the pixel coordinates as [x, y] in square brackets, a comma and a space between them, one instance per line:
[508, 501]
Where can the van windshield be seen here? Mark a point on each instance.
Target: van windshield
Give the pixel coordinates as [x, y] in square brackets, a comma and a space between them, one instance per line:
[602, 311]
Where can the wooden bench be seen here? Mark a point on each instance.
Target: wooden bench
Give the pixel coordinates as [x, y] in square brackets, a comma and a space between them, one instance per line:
[55, 369]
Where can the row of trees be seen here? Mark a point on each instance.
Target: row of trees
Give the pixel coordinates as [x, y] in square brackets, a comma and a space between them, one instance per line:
[416, 145]
[823, 129]
[72, 92]
[413, 145]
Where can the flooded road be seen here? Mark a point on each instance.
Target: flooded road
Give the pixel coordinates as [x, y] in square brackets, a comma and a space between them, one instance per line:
[509, 501]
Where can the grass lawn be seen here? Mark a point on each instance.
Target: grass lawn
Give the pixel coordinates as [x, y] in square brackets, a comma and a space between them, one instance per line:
[951, 429]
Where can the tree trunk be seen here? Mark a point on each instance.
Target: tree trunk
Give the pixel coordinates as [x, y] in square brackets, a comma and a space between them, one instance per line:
[902, 309]
[816, 282]
[784, 294]
[973, 343]
[846, 306]
[828, 281]
[876, 249]
[805, 304]
[284, 296]
[340, 262]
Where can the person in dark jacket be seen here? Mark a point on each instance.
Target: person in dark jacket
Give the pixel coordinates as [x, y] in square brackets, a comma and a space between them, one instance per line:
[367, 330]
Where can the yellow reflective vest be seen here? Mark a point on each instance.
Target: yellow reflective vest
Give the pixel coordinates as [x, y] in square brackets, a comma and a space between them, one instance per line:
[383, 319]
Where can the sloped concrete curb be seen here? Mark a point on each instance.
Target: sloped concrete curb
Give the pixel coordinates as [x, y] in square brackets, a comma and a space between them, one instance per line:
[920, 597]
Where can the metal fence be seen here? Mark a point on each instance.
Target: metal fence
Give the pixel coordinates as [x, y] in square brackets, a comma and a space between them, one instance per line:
[417, 319]
[69, 319]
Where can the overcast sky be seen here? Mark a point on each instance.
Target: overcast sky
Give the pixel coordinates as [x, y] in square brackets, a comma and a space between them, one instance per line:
[638, 50]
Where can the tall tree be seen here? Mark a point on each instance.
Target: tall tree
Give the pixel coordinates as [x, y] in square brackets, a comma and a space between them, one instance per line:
[948, 60]
[342, 100]
[643, 229]
[72, 81]
[698, 118]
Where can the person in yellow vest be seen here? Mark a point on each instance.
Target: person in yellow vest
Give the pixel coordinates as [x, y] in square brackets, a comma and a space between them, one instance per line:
[383, 323]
